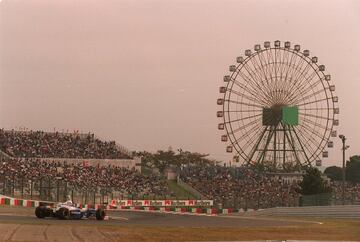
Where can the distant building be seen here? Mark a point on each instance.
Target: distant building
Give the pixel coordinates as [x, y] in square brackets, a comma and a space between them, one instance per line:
[171, 173]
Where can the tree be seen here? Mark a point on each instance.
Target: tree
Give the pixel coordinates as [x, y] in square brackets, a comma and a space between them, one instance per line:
[334, 173]
[163, 159]
[313, 183]
[353, 169]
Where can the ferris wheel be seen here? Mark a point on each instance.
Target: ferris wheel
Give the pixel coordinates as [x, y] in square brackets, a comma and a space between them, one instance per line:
[278, 107]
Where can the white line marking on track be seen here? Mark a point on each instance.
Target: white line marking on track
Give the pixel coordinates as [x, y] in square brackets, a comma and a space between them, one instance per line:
[118, 218]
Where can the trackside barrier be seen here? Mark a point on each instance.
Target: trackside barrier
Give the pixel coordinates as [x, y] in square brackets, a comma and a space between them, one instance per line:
[197, 210]
[180, 210]
[211, 211]
[18, 202]
[338, 211]
[149, 209]
[32, 204]
[227, 210]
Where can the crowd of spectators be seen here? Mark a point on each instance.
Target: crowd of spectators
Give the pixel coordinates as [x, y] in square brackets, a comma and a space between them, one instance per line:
[352, 191]
[229, 185]
[240, 185]
[80, 177]
[41, 144]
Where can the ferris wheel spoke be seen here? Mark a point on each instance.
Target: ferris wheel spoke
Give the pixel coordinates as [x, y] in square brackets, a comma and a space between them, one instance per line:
[303, 87]
[306, 90]
[267, 68]
[276, 67]
[254, 81]
[255, 131]
[306, 138]
[311, 133]
[253, 89]
[309, 122]
[315, 124]
[243, 103]
[273, 73]
[283, 65]
[314, 143]
[253, 99]
[270, 69]
[311, 95]
[278, 56]
[312, 109]
[314, 116]
[245, 118]
[250, 133]
[258, 71]
[273, 69]
[292, 143]
[263, 68]
[305, 149]
[249, 90]
[239, 94]
[277, 64]
[257, 139]
[315, 101]
[244, 111]
[245, 126]
[260, 68]
[299, 71]
[291, 68]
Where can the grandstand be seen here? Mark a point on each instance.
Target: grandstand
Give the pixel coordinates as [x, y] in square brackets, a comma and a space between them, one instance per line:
[42, 144]
[51, 165]
[241, 187]
[71, 148]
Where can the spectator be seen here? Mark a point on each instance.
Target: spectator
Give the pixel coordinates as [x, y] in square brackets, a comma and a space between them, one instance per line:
[41, 144]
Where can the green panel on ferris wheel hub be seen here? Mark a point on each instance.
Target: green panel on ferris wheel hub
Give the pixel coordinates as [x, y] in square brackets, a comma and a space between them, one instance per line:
[290, 115]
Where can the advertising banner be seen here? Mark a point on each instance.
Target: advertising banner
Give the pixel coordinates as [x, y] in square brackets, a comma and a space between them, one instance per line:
[164, 203]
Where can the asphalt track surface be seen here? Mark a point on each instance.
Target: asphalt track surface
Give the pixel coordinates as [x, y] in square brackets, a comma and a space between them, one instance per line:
[153, 219]
[20, 224]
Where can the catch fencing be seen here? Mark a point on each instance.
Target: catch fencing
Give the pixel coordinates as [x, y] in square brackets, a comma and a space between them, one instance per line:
[54, 190]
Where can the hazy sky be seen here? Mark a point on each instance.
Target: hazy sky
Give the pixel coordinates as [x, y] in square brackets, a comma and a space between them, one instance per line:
[147, 73]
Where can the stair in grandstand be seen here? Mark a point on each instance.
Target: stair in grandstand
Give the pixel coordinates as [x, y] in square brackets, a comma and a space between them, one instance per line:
[179, 191]
[190, 189]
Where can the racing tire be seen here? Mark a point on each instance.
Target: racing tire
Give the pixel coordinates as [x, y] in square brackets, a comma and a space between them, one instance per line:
[63, 213]
[100, 214]
[40, 212]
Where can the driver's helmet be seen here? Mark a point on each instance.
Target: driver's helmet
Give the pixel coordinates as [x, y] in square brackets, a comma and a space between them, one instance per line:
[69, 201]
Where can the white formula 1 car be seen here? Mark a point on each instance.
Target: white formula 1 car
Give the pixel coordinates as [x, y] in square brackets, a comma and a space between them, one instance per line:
[68, 210]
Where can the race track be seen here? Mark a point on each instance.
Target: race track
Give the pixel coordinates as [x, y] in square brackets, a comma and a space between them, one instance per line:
[150, 219]
[20, 224]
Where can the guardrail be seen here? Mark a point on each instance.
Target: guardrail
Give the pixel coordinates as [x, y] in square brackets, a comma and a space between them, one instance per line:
[342, 211]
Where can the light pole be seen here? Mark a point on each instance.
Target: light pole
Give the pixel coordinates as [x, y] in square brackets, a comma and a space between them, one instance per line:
[344, 147]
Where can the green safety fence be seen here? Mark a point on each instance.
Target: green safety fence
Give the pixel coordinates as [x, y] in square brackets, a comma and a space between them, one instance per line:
[323, 199]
